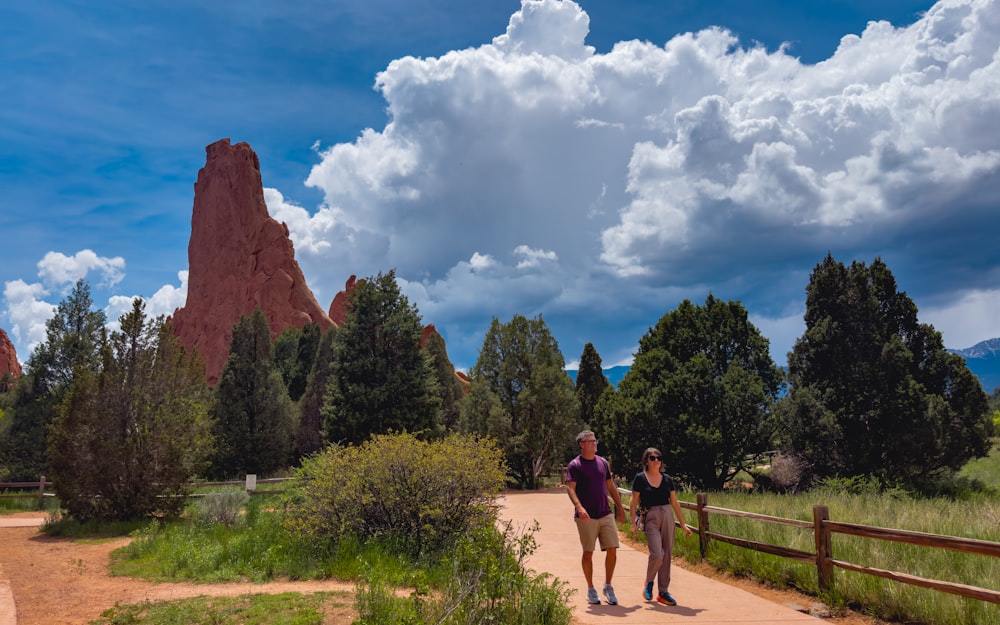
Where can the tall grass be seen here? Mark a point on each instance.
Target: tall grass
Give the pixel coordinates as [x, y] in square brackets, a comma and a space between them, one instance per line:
[27, 504]
[973, 517]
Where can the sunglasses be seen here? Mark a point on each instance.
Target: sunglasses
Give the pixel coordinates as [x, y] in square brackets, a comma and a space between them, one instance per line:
[653, 458]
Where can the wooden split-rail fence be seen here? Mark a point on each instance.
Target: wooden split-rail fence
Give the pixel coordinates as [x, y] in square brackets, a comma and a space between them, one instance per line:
[823, 557]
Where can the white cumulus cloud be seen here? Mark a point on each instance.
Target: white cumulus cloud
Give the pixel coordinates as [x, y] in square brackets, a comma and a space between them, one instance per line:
[631, 179]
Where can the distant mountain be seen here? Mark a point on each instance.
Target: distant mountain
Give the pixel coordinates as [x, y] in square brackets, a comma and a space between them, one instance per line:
[983, 359]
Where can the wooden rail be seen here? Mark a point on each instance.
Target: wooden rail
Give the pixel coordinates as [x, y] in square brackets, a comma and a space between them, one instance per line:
[824, 529]
[37, 489]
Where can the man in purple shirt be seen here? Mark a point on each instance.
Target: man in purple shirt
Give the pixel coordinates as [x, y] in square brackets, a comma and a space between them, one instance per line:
[589, 484]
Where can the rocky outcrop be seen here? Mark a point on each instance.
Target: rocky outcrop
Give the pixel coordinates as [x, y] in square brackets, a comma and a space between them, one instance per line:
[239, 259]
[338, 307]
[10, 368]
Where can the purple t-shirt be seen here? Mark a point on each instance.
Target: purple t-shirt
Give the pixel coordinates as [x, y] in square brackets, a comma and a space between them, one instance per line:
[591, 478]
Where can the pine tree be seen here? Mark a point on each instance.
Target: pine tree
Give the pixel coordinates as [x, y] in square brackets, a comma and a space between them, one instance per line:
[310, 436]
[72, 339]
[700, 389]
[381, 381]
[873, 391]
[449, 386]
[130, 434]
[255, 420]
[590, 383]
[294, 354]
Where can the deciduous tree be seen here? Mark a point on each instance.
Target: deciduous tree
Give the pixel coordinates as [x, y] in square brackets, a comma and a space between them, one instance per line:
[522, 396]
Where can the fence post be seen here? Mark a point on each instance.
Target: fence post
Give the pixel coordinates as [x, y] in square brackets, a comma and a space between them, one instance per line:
[824, 548]
[251, 483]
[702, 524]
[41, 493]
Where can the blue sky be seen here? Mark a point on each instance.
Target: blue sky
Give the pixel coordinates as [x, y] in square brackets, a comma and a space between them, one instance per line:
[593, 162]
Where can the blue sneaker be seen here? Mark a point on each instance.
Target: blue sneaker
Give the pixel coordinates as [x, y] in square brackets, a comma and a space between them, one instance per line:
[647, 592]
[664, 597]
[592, 597]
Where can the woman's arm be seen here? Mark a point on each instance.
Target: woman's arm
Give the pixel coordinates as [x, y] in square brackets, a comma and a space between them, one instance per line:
[679, 512]
[633, 505]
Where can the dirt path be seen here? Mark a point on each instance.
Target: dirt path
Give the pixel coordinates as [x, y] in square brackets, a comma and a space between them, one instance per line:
[58, 581]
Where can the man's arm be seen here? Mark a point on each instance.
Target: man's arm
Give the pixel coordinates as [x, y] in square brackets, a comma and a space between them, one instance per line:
[619, 509]
[580, 510]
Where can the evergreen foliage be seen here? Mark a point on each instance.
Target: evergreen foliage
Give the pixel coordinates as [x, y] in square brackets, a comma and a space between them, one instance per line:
[700, 389]
[254, 419]
[449, 386]
[72, 341]
[294, 355]
[310, 437]
[381, 380]
[873, 391]
[590, 383]
[129, 434]
[521, 396]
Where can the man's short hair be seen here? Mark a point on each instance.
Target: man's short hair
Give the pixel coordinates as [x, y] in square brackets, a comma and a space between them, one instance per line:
[584, 434]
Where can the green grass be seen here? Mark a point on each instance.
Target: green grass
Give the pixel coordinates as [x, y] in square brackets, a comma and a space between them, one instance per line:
[27, 504]
[985, 470]
[478, 575]
[974, 517]
[256, 609]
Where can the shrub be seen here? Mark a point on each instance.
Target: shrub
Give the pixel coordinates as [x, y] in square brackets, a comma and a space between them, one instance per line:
[395, 486]
[789, 473]
[223, 506]
[488, 583]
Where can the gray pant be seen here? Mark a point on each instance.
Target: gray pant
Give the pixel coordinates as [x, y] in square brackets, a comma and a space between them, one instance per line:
[660, 538]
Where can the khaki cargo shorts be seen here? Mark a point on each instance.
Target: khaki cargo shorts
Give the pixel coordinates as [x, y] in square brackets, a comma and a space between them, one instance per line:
[603, 528]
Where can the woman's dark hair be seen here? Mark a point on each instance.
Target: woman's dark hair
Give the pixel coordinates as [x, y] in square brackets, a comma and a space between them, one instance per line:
[650, 451]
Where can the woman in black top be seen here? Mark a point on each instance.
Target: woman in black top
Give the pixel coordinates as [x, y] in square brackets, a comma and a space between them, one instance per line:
[654, 496]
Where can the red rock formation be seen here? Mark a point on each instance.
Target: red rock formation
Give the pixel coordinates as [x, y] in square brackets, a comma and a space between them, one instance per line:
[8, 360]
[338, 307]
[429, 329]
[239, 259]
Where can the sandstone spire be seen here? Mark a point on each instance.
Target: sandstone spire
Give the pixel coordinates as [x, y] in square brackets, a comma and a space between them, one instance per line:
[239, 259]
[10, 368]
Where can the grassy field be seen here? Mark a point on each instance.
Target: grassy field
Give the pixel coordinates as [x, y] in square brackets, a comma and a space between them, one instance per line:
[974, 515]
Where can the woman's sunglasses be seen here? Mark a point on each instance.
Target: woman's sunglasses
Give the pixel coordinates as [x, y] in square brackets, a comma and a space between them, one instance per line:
[653, 458]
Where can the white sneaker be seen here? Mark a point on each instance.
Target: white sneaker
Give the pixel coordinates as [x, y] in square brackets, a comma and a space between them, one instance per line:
[592, 596]
[609, 594]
